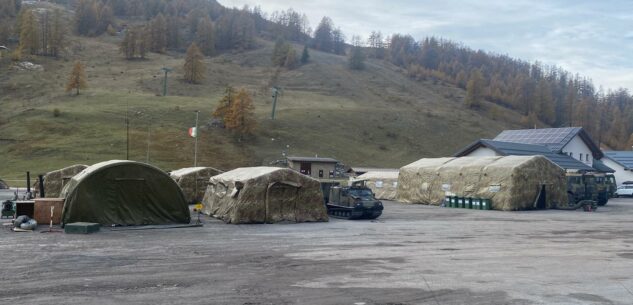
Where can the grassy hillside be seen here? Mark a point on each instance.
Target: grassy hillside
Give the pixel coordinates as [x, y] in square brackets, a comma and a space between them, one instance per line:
[377, 117]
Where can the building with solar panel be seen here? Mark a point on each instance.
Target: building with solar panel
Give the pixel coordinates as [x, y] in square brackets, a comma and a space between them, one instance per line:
[570, 148]
[622, 163]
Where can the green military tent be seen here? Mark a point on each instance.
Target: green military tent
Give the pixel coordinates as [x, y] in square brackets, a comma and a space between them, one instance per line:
[124, 193]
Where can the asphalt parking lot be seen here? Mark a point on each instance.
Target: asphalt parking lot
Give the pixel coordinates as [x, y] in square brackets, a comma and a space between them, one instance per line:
[411, 255]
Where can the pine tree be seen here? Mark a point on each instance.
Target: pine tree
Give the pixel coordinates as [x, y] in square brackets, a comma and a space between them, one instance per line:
[240, 117]
[194, 65]
[77, 79]
[86, 17]
[105, 18]
[356, 60]
[474, 90]
[305, 56]
[173, 33]
[205, 37]
[323, 39]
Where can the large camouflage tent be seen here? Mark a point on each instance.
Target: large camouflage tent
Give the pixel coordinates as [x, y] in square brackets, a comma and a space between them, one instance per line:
[54, 181]
[124, 193]
[193, 181]
[383, 183]
[512, 182]
[264, 195]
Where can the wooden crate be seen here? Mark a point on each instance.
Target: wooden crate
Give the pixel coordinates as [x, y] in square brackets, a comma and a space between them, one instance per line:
[42, 213]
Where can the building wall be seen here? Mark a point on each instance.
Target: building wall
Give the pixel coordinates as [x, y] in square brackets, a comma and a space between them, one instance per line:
[577, 147]
[315, 167]
[325, 167]
[620, 174]
[483, 152]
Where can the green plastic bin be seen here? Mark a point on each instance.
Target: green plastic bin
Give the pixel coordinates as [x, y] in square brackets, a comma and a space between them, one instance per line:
[476, 204]
[453, 202]
[468, 203]
[486, 204]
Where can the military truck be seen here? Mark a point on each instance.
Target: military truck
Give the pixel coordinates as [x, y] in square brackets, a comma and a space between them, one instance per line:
[602, 188]
[612, 185]
[583, 186]
[353, 202]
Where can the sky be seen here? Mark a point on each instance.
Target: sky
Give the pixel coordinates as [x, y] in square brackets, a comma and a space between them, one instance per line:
[589, 37]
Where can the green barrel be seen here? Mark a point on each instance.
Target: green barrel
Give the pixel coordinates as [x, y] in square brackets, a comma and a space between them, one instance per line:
[486, 204]
[476, 204]
[468, 202]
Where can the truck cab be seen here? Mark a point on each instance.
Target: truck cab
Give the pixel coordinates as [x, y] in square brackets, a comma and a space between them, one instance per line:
[581, 186]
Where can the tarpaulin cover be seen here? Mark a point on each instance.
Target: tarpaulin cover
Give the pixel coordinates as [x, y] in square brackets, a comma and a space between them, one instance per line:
[512, 182]
[124, 193]
[54, 181]
[384, 184]
[264, 195]
[193, 181]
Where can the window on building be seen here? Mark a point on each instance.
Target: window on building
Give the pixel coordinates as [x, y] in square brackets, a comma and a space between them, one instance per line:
[580, 156]
[320, 173]
[331, 174]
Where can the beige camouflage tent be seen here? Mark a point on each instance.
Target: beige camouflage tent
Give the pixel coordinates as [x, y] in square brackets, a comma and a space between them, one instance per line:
[193, 181]
[264, 195]
[383, 183]
[54, 181]
[512, 182]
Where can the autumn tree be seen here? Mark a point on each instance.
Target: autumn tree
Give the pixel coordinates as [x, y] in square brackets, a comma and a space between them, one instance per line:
[158, 34]
[474, 89]
[194, 65]
[77, 79]
[135, 43]
[280, 52]
[29, 34]
[224, 105]
[205, 36]
[291, 59]
[240, 117]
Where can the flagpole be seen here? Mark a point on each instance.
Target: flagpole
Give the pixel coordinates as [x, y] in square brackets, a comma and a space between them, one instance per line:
[195, 149]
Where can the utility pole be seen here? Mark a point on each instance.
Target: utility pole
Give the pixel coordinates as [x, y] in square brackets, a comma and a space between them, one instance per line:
[195, 149]
[149, 130]
[167, 70]
[275, 94]
[127, 131]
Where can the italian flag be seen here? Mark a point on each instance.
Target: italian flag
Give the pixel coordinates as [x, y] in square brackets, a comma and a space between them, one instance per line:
[193, 132]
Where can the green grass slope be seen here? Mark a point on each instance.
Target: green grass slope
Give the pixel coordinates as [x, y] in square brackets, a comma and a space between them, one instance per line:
[376, 117]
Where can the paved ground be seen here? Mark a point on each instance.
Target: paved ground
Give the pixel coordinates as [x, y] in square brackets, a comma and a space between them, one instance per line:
[411, 255]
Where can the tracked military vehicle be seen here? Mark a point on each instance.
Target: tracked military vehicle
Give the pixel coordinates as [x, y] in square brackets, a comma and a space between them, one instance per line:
[353, 202]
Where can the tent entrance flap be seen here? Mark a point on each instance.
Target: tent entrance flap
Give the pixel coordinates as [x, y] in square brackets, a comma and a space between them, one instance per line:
[281, 202]
[541, 198]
